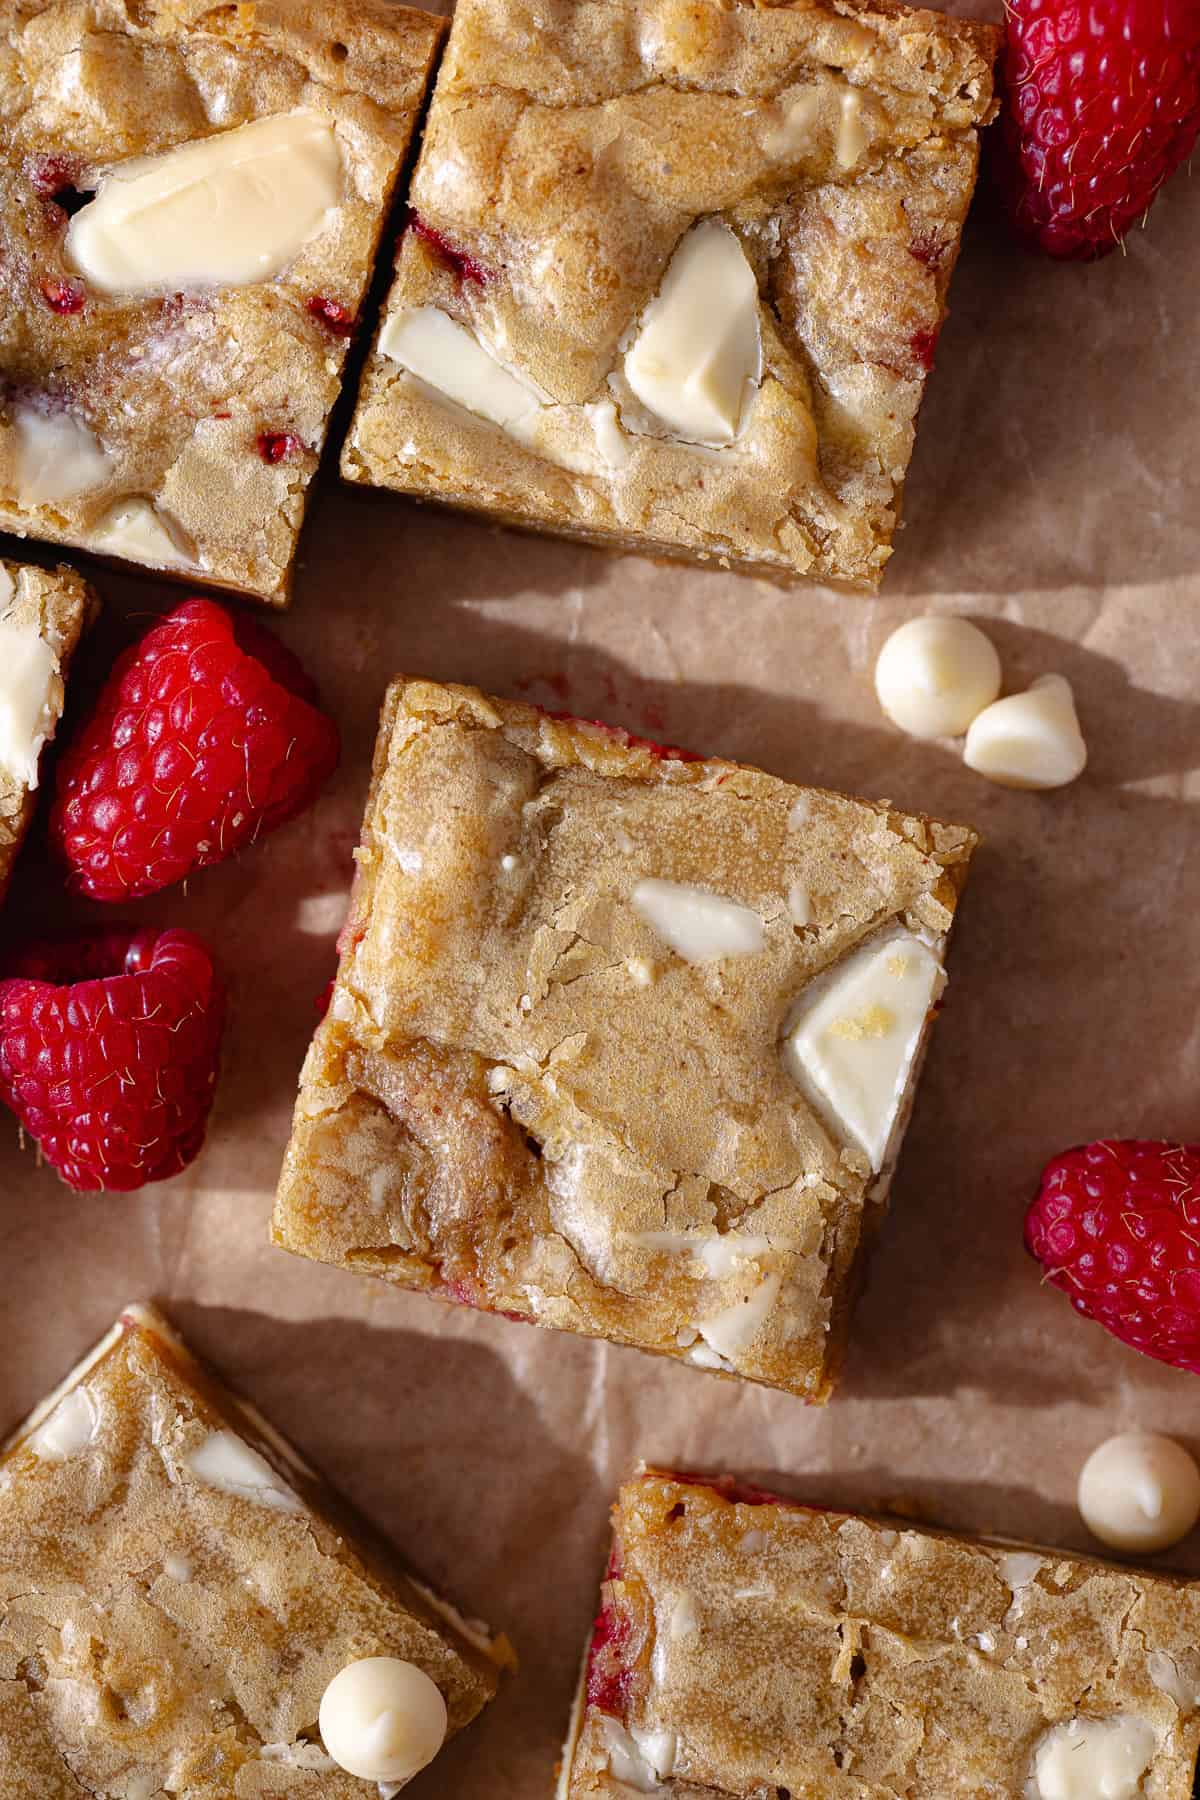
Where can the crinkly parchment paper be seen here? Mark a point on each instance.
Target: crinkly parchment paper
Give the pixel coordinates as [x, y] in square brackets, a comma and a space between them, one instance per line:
[1055, 495]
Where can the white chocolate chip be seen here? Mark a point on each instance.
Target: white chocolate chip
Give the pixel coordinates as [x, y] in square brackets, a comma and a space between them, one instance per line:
[1170, 1679]
[799, 813]
[1139, 1491]
[1092, 1759]
[382, 1719]
[639, 1758]
[1029, 740]
[641, 972]
[300, 1755]
[31, 698]
[698, 925]
[69, 1429]
[935, 675]
[1018, 1568]
[55, 456]
[226, 1462]
[136, 529]
[852, 132]
[799, 904]
[221, 211]
[176, 1567]
[735, 1327]
[789, 128]
[852, 1042]
[611, 441]
[696, 360]
[446, 356]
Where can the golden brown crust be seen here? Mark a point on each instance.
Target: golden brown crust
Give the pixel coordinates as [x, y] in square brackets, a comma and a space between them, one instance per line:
[570, 178]
[521, 1099]
[59, 603]
[177, 389]
[771, 1648]
[184, 1626]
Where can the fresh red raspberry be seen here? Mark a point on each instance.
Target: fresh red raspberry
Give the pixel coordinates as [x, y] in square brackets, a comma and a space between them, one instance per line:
[108, 1054]
[278, 446]
[205, 737]
[1116, 1225]
[65, 297]
[1102, 103]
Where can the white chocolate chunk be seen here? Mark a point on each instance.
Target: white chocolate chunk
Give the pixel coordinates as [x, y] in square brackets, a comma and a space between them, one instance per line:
[640, 1759]
[853, 1044]
[735, 1327]
[611, 441]
[69, 1429]
[935, 675]
[448, 357]
[697, 358]
[55, 456]
[852, 133]
[1092, 1759]
[790, 127]
[176, 1567]
[1139, 1491]
[222, 211]
[699, 926]
[1029, 740]
[300, 1755]
[31, 699]
[1169, 1678]
[1019, 1568]
[799, 904]
[225, 1461]
[382, 1719]
[136, 530]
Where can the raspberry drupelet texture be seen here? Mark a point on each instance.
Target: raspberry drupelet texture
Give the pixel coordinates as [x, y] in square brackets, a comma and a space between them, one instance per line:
[1116, 1226]
[1102, 104]
[205, 737]
[108, 1054]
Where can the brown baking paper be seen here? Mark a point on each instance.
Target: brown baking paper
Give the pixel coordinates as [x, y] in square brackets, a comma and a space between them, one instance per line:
[1055, 496]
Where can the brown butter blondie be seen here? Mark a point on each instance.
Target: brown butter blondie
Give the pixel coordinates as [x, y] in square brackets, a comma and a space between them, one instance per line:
[42, 614]
[177, 1589]
[168, 366]
[751, 1648]
[620, 1043]
[790, 181]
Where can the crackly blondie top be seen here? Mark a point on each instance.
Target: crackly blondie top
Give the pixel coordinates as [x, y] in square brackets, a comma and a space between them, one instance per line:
[177, 1588]
[620, 1042]
[190, 202]
[675, 273]
[42, 614]
[752, 1648]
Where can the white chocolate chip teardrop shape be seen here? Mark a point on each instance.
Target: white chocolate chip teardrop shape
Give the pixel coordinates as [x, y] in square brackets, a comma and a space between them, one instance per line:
[698, 925]
[1029, 740]
[382, 1719]
[220, 211]
[1139, 1492]
[852, 1044]
[697, 358]
[935, 675]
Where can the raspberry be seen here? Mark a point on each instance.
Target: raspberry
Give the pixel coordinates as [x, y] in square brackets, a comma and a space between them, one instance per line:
[1116, 1225]
[1103, 102]
[65, 297]
[278, 446]
[463, 265]
[108, 1054]
[205, 736]
[336, 318]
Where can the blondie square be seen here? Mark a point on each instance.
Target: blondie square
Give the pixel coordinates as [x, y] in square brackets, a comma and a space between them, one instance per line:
[621, 1042]
[178, 1589]
[190, 203]
[675, 273]
[755, 1648]
[42, 613]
